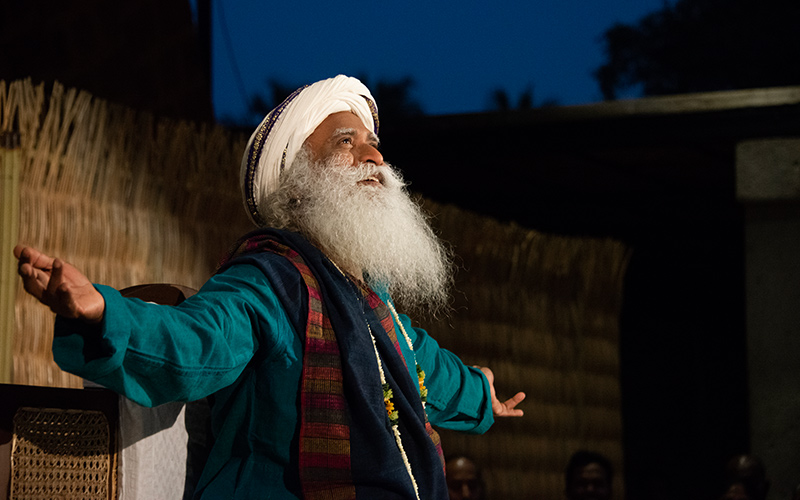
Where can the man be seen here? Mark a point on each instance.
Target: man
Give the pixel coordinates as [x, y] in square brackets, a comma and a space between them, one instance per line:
[745, 479]
[464, 479]
[588, 476]
[320, 388]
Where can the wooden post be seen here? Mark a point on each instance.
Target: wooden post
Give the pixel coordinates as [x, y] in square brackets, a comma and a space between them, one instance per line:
[9, 232]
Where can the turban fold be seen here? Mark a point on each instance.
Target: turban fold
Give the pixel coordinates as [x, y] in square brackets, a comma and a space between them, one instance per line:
[277, 140]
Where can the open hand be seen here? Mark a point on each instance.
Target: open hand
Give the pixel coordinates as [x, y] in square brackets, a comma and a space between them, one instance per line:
[58, 285]
[502, 409]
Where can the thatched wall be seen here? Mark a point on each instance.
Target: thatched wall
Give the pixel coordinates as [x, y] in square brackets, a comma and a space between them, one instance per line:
[543, 312]
[124, 197]
[132, 200]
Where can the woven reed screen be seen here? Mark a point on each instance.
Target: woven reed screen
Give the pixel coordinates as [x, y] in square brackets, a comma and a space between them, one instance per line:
[543, 312]
[132, 200]
[126, 198]
[63, 454]
[9, 232]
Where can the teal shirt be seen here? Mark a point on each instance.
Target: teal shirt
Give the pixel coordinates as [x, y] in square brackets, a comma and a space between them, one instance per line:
[234, 340]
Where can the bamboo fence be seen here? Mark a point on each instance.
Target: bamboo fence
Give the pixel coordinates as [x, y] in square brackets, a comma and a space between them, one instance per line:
[126, 198]
[543, 312]
[130, 200]
[9, 231]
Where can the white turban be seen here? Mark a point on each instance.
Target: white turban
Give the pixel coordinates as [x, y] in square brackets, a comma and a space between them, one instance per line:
[277, 140]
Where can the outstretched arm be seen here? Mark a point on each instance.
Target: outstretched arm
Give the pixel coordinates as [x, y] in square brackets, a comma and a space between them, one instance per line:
[59, 286]
[507, 408]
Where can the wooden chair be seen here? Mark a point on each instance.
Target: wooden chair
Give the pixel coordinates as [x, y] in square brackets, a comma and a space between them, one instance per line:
[91, 443]
[58, 443]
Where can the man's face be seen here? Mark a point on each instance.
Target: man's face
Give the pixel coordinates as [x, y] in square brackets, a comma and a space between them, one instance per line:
[340, 194]
[589, 483]
[344, 135]
[462, 480]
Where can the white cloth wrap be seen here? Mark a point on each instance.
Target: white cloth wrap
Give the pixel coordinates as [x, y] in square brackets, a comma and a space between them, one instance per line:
[277, 140]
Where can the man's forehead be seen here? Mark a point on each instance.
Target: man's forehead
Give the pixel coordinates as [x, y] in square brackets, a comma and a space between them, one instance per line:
[353, 131]
[340, 119]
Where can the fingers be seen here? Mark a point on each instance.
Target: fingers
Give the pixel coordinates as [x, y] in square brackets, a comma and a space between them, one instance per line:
[515, 400]
[56, 277]
[33, 268]
[31, 260]
[58, 285]
[41, 275]
[33, 257]
[53, 294]
[32, 282]
[59, 293]
[508, 409]
[18, 250]
[512, 402]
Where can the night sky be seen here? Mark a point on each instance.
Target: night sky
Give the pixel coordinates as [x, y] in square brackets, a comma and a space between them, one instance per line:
[457, 52]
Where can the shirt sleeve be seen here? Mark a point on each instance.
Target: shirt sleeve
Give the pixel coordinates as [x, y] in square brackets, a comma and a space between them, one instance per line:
[458, 395]
[154, 354]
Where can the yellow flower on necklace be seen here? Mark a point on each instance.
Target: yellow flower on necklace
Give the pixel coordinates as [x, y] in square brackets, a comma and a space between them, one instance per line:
[423, 391]
[394, 416]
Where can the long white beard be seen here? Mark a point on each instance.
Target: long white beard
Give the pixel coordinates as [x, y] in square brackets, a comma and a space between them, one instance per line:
[379, 231]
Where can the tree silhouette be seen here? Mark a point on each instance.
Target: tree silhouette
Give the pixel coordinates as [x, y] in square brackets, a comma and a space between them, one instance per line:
[704, 45]
[260, 105]
[499, 100]
[394, 98]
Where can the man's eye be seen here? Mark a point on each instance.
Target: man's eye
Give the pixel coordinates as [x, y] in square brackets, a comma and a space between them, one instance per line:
[346, 140]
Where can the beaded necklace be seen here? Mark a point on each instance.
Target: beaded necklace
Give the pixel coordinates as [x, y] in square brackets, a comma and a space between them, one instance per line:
[394, 415]
[423, 391]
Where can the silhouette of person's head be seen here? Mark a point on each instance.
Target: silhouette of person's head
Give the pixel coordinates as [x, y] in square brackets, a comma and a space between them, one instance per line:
[464, 481]
[588, 476]
[745, 479]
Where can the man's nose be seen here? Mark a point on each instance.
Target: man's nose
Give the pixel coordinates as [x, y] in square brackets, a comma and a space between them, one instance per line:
[367, 153]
